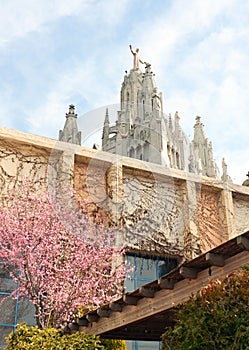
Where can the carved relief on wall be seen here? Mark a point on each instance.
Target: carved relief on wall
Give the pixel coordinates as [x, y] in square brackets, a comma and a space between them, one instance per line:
[153, 214]
[209, 224]
[241, 214]
[90, 192]
[21, 161]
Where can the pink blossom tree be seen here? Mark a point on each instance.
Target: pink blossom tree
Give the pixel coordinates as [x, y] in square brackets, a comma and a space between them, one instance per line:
[59, 269]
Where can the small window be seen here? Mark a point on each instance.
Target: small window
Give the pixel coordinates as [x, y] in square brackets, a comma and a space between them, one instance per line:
[146, 269]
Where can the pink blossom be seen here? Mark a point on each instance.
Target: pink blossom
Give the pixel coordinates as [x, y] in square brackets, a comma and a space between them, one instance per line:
[57, 268]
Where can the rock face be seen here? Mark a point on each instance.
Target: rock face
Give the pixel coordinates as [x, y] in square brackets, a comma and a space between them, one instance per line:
[144, 132]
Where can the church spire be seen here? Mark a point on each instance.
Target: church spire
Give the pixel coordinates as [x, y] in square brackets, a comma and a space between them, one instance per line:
[203, 149]
[106, 122]
[106, 128]
[70, 131]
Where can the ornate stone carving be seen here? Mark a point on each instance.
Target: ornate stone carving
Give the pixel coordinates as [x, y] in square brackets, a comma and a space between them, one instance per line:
[241, 210]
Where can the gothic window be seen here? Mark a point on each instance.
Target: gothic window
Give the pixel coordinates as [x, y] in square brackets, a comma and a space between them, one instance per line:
[138, 105]
[146, 151]
[173, 157]
[139, 154]
[131, 153]
[169, 155]
[178, 160]
[127, 102]
[141, 135]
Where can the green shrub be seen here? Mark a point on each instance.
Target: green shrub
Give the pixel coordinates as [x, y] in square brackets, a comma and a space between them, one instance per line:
[110, 344]
[33, 338]
[217, 318]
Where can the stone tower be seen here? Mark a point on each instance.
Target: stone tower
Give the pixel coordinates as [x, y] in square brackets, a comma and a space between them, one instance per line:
[143, 131]
[70, 131]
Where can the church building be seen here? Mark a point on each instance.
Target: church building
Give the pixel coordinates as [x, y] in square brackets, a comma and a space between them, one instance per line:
[144, 131]
[165, 196]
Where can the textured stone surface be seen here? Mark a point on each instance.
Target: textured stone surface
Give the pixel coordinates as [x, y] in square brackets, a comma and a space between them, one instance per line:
[209, 222]
[152, 214]
[154, 209]
[241, 213]
[90, 192]
[19, 161]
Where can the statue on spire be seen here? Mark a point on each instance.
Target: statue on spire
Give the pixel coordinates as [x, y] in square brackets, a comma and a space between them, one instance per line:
[136, 59]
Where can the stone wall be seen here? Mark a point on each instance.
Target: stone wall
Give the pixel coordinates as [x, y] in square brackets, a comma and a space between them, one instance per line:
[241, 213]
[19, 161]
[153, 209]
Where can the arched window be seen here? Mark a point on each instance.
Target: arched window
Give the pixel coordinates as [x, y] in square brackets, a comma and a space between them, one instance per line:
[139, 154]
[146, 151]
[131, 153]
[169, 155]
[127, 102]
[178, 161]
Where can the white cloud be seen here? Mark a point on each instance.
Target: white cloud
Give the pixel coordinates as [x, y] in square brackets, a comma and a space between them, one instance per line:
[174, 26]
[19, 18]
[78, 82]
[198, 49]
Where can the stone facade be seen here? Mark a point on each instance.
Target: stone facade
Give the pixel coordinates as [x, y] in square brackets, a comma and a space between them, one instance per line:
[154, 209]
[143, 131]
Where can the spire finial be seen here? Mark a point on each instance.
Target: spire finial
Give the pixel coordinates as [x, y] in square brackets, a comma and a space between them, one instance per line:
[71, 112]
[106, 116]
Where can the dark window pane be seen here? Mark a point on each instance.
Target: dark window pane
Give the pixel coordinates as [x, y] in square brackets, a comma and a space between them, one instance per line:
[7, 285]
[7, 310]
[26, 312]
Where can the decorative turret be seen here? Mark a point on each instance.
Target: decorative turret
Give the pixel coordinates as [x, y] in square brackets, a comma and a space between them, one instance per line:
[70, 131]
[202, 149]
[106, 128]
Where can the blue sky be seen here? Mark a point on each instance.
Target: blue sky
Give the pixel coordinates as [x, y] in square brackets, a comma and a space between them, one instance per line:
[57, 52]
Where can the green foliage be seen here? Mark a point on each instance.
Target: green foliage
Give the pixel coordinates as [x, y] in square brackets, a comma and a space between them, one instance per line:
[110, 344]
[33, 338]
[217, 318]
